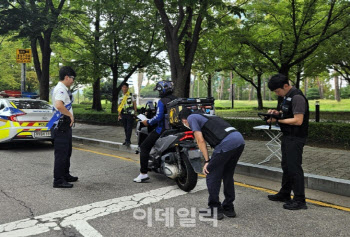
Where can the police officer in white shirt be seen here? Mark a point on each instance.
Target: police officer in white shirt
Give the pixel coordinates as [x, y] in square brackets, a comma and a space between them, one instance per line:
[61, 130]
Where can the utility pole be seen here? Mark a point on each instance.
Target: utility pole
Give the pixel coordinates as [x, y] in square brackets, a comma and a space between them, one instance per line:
[23, 77]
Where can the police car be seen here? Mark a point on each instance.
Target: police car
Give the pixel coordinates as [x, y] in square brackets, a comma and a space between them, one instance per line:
[23, 118]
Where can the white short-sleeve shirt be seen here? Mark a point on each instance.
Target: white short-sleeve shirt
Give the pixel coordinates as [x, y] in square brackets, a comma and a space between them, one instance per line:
[60, 92]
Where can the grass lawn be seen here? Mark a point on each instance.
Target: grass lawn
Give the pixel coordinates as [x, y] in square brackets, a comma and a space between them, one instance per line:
[325, 105]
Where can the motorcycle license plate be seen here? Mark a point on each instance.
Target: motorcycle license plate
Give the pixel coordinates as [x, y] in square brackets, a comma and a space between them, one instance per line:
[38, 134]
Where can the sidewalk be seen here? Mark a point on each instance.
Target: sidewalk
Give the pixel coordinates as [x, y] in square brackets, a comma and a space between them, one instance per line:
[333, 164]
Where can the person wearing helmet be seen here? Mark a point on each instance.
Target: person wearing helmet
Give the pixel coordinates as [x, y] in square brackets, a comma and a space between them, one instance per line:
[165, 89]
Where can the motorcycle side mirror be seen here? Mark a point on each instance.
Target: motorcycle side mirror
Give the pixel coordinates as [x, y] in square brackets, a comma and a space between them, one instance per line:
[142, 110]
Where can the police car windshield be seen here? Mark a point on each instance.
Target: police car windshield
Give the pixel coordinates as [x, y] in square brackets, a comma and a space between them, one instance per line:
[31, 104]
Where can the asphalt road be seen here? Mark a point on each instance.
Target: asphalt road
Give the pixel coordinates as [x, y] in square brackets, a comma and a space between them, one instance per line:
[105, 201]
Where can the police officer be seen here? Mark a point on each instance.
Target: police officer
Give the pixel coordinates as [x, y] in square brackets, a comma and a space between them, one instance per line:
[294, 123]
[165, 89]
[61, 130]
[126, 110]
[228, 146]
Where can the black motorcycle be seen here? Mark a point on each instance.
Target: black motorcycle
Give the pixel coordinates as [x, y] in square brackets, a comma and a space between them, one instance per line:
[175, 154]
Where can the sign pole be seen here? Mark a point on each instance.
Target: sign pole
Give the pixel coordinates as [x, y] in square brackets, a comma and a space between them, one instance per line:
[23, 77]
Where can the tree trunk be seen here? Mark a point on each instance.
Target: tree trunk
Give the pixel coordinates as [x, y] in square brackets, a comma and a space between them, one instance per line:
[258, 93]
[251, 91]
[96, 89]
[46, 58]
[139, 85]
[115, 90]
[298, 76]
[209, 86]
[320, 87]
[192, 86]
[232, 92]
[336, 88]
[96, 99]
[198, 87]
[264, 89]
[222, 87]
[181, 69]
[305, 86]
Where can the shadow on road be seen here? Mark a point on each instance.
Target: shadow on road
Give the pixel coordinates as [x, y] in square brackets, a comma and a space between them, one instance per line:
[27, 145]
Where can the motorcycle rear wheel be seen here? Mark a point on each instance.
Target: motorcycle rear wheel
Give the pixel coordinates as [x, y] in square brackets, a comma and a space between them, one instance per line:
[188, 179]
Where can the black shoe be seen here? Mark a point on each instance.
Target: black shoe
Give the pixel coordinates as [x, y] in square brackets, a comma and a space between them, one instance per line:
[214, 213]
[124, 143]
[71, 178]
[295, 205]
[279, 197]
[62, 185]
[229, 212]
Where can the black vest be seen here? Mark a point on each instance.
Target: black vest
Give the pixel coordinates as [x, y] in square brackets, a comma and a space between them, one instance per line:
[165, 100]
[216, 129]
[287, 112]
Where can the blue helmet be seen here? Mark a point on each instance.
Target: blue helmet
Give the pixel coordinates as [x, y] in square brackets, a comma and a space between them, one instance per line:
[164, 88]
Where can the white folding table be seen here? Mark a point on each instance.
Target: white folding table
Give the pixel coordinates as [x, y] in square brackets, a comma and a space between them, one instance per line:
[274, 145]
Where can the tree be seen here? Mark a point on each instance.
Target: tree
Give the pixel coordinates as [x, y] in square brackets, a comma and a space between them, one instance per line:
[36, 24]
[288, 32]
[182, 22]
[125, 50]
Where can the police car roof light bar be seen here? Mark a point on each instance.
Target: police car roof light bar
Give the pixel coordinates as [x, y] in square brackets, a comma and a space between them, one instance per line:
[18, 94]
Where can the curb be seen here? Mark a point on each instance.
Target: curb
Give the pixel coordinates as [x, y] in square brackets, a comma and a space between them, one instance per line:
[312, 181]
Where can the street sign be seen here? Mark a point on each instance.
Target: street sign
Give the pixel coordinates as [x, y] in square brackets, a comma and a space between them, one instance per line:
[23, 55]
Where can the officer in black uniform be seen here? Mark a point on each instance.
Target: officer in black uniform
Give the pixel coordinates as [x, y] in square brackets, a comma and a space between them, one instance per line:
[294, 122]
[127, 112]
[228, 146]
[165, 89]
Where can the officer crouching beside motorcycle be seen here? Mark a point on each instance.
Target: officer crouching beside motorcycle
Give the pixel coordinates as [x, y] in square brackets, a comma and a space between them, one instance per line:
[228, 146]
[165, 89]
[61, 131]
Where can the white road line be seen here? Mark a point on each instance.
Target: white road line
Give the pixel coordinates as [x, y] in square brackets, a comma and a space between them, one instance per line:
[77, 217]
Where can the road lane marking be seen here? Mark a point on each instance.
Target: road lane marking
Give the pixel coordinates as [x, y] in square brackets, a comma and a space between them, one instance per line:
[316, 202]
[77, 217]
[105, 154]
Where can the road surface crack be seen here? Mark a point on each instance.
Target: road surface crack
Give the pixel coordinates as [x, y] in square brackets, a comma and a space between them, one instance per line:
[20, 202]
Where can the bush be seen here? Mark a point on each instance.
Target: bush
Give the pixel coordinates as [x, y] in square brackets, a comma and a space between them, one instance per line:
[320, 134]
[98, 118]
[313, 94]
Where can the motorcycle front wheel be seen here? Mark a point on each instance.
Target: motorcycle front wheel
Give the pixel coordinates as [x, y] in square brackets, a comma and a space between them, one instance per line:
[188, 178]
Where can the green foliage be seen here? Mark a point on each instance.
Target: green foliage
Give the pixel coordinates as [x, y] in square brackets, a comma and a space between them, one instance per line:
[98, 118]
[148, 91]
[320, 134]
[345, 92]
[313, 94]
[10, 76]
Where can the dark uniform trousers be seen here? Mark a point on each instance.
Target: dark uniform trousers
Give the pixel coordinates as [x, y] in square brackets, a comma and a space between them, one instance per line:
[63, 152]
[293, 174]
[221, 167]
[128, 122]
[146, 148]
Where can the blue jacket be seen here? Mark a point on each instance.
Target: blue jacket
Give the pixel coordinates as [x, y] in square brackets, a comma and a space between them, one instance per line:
[158, 118]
